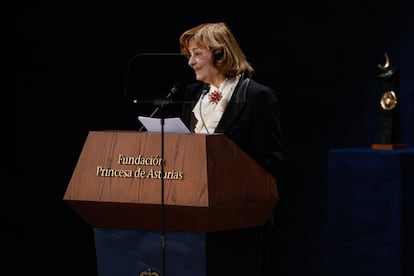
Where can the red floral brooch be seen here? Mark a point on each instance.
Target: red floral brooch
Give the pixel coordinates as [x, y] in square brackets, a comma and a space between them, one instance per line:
[214, 97]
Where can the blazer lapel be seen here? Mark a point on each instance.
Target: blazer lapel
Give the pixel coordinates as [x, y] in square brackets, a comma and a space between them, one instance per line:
[235, 105]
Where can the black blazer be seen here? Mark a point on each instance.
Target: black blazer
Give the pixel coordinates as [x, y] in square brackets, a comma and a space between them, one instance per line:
[250, 120]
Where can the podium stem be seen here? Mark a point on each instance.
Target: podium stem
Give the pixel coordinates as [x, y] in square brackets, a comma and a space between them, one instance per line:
[162, 238]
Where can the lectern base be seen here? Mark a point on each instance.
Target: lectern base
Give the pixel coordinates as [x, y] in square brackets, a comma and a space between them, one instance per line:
[130, 252]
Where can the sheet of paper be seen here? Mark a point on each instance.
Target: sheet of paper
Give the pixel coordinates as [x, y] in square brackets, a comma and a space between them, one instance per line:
[170, 124]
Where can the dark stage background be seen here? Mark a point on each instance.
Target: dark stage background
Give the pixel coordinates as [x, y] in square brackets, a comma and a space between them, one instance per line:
[71, 63]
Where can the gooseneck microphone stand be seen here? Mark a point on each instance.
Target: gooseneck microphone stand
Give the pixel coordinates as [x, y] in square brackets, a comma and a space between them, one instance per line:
[162, 237]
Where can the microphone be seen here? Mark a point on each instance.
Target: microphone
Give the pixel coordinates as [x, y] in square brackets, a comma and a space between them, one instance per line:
[203, 93]
[174, 90]
[163, 102]
[167, 99]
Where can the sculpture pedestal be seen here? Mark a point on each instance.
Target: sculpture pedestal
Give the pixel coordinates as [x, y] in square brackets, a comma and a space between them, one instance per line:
[371, 212]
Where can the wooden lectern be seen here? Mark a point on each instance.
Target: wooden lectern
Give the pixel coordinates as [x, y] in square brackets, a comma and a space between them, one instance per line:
[210, 184]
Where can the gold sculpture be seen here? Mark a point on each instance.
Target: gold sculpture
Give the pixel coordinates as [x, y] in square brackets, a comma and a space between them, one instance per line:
[389, 98]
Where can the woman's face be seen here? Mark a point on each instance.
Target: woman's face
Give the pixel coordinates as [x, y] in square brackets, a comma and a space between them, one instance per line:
[202, 61]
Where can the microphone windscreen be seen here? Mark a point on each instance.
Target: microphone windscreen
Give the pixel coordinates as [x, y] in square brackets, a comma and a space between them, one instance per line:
[176, 88]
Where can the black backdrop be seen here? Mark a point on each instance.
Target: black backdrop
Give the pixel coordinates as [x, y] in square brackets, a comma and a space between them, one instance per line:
[71, 63]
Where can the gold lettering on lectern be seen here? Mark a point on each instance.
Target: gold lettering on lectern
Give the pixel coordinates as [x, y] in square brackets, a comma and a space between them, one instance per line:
[138, 172]
[167, 175]
[113, 172]
[139, 160]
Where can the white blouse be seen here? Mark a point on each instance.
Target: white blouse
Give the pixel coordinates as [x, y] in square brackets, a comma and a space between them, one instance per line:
[208, 113]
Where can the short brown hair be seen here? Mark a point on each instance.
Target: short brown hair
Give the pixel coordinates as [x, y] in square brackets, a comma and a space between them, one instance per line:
[217, 37]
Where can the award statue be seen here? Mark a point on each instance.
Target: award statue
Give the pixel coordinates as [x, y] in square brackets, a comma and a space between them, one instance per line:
[390, 122]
